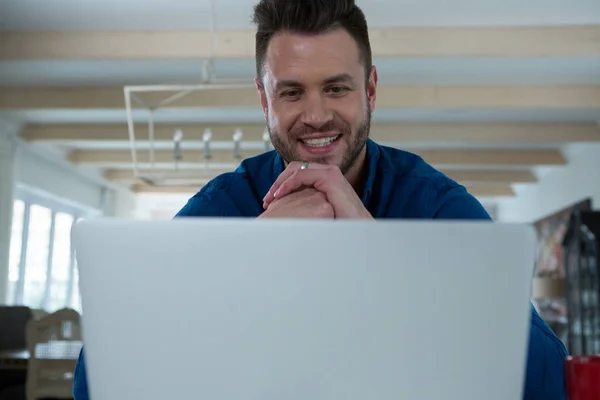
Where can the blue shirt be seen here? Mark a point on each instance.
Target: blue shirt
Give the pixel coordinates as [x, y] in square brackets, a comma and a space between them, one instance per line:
[398, 185]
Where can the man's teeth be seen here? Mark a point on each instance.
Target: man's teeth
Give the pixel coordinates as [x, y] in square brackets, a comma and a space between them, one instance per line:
[319, 142]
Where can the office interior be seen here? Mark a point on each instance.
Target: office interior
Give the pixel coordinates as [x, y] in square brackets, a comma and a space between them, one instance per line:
[127, 110]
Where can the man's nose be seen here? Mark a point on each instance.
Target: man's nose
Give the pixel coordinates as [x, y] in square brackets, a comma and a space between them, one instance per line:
[316, 112]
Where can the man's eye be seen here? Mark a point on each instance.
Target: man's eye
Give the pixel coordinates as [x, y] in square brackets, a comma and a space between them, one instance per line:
[337, 89]
[291, 93]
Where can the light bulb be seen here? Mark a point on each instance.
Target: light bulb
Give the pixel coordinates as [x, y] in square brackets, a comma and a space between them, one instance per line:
[178, 135]
[237, 136]
[207, 135]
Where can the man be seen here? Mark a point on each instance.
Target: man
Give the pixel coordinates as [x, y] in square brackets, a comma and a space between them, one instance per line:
[317, 89]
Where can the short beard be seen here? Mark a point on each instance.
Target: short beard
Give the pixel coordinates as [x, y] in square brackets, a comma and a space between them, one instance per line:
[286, 149]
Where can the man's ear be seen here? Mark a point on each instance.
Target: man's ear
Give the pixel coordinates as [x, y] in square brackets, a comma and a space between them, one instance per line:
[372, 88]
[263, 96]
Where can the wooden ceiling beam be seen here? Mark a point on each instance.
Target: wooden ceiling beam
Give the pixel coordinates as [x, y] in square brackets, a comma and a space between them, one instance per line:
[455, 157]
[477, 191]
[388, 96]
[486, 183]
[534, 41]
[200, 176]
[491, 191]
[491, 176]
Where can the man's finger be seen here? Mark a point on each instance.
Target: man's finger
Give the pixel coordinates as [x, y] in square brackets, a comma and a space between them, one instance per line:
[291, 169]
[301, 178]
[287, 172]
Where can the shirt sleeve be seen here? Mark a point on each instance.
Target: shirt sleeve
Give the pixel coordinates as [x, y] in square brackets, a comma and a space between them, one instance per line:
[457, 203]
[544, 379]
[216, 199]
[545, 362]
[80, 386]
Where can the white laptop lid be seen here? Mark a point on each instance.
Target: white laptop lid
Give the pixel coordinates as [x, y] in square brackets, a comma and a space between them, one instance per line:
[320, 310]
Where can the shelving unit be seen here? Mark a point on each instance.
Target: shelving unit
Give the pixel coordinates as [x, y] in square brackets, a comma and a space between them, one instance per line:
[582, 282]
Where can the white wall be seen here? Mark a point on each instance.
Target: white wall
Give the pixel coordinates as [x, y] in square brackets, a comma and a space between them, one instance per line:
[159, 205]
[559, 188]
[42, 173]
[52, 176]
[148, 206]
[123, 203]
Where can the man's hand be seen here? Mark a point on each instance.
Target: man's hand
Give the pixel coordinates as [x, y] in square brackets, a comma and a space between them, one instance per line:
[327, 179]
[306, 203]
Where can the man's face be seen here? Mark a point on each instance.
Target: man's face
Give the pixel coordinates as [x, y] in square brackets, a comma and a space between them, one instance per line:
[316, 103]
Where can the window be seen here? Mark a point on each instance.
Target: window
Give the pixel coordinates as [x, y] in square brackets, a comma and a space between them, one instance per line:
[75, 298]
[61, 262]
[16, 239]
[36, 255]
[42, 269]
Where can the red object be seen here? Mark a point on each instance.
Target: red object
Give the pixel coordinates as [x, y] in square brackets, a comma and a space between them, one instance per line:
[582, 375]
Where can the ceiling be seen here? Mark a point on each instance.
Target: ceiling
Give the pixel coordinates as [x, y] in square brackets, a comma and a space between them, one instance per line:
[491, 91]
[113, 15]
[409, 71]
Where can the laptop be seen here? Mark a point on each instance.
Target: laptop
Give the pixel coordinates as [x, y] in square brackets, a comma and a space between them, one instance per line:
[226, 309]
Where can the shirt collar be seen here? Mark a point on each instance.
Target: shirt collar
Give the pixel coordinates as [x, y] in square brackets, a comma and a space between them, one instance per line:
[371, 162]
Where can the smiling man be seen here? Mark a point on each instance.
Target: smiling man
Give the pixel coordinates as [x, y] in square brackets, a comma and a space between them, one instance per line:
[318, 89]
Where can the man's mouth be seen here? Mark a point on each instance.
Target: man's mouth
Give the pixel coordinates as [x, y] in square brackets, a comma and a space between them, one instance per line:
[320, 142]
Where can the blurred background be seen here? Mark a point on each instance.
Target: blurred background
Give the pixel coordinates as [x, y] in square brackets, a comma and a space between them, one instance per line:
[127, 108]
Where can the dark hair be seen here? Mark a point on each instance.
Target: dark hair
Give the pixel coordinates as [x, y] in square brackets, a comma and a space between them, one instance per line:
[310, 17]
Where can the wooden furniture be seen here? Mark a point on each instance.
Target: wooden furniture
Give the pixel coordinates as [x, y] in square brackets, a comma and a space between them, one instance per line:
[13, 320]
[53, 344]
